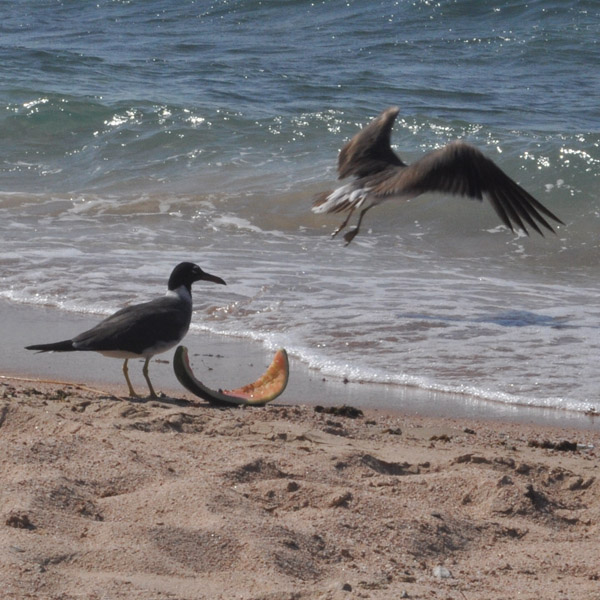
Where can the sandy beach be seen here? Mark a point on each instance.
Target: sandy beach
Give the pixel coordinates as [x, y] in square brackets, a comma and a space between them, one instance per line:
[439, 435]
[105, 497]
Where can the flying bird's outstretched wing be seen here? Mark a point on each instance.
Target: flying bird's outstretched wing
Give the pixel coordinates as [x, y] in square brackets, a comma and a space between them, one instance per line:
[370, 151]
[462, 170]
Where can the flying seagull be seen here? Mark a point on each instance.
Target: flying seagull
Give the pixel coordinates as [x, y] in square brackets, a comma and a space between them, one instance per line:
[458, 168]
[142, 330]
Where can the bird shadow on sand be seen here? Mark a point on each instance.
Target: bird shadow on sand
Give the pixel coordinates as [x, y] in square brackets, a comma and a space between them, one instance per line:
[160, 399]
[170, 401]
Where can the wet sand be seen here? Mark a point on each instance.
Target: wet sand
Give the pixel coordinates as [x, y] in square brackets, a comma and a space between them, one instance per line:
[229, 362]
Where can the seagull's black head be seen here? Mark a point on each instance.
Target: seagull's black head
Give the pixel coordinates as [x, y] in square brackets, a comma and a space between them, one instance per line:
[186, 273]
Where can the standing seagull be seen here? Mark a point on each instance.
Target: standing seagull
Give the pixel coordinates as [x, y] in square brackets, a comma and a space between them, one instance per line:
[142, 330]
[458, 168]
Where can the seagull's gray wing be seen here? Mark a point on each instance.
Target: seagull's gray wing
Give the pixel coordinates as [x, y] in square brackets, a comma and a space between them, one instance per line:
[138, 327]
[462, 170]
[369, 151]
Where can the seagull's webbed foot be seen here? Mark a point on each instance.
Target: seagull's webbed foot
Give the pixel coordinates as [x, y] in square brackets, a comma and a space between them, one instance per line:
[336, 231]
[350, 235]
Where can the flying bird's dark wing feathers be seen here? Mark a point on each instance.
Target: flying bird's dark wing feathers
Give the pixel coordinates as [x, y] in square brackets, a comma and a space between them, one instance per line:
[461, 169]
[499, 209]
[511, 206]
[536, 209]
[141, 322]
[535, 204]
[369, 151]
[517, 208]
[456, 169]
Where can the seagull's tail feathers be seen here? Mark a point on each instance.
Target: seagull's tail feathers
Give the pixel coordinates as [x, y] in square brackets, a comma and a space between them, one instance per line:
[318, 202]
[64, 346]
[346, 197]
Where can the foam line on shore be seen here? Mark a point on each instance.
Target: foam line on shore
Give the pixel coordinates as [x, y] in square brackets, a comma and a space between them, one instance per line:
[221, 361]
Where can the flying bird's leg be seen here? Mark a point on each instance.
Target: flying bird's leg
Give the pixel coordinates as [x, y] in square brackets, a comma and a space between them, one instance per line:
[147, 377]
[132, 393]
[344, 223]
[352, 233]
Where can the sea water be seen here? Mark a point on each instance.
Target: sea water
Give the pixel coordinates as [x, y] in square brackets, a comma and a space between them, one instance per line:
[135, 135]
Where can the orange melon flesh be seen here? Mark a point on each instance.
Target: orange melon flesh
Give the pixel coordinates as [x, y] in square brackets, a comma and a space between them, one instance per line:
[270, 385]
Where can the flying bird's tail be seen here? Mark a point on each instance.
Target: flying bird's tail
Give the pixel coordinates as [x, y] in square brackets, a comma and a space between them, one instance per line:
[346, 197]
[64, 346]
[319, 200]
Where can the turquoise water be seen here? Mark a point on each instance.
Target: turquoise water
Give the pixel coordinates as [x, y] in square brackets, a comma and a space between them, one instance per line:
[135, 135]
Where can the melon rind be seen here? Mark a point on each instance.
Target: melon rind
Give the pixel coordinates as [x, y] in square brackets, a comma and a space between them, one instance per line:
[277, 374]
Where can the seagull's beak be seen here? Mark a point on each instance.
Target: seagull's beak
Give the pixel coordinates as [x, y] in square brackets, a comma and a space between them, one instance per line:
[208, 277]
